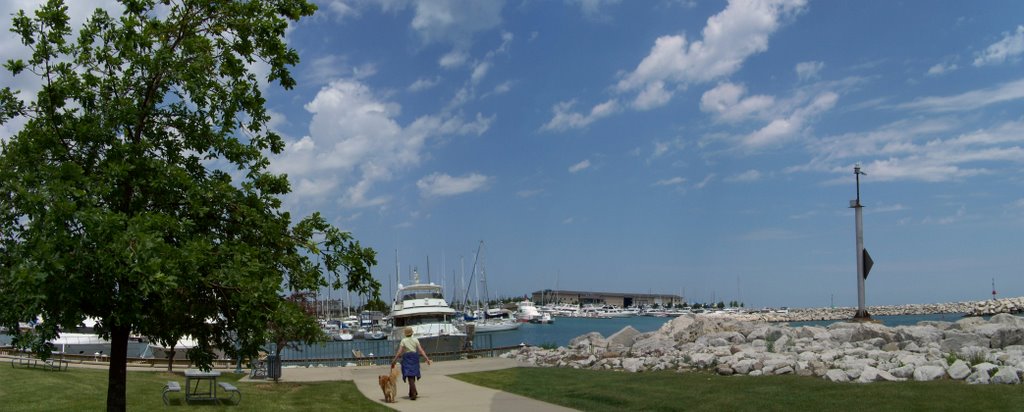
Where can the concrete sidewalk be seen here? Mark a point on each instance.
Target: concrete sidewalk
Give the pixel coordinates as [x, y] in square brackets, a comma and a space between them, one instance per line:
[437, 391]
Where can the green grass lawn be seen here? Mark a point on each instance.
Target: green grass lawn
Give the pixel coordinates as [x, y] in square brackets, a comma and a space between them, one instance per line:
[670, 391]
[24, 389]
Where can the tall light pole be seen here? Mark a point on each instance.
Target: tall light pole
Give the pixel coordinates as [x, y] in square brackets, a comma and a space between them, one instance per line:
[862, 313]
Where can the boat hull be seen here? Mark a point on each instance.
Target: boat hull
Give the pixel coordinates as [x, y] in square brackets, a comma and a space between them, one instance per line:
[443, 343]
[484, 327]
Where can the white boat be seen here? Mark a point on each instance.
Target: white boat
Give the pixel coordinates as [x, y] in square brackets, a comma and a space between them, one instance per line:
[496, 320]
[526, 311]
[655, 312]
[180, 349]
[545, 318]
[80, 344]
[422, 307]
[375, 333]
[610, 311]
[495, 325]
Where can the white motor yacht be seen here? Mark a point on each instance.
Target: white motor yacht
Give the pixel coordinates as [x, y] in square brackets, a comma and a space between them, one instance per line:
[422, 306]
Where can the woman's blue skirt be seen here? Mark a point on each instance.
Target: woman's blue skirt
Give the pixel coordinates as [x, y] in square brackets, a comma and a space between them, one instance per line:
[410, 365]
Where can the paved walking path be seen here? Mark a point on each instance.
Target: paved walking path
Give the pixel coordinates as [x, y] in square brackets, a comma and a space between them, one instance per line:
[438, 392]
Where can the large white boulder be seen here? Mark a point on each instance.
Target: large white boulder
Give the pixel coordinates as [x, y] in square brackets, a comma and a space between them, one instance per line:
[929, 373]
[633, 365]
[920, 335]
[654, 344]
[953, 340]
[1007, 335]
[868, 374]
[592, 339]
[978, 378]
[623, 339]
[959, 370]
[1007, 375]
[744, 366]
[836, 375]
[986, 367]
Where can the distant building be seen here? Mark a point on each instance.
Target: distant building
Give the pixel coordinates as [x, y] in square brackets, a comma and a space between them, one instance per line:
[575, 297]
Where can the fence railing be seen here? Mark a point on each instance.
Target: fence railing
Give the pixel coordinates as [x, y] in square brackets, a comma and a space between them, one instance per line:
[334, 353]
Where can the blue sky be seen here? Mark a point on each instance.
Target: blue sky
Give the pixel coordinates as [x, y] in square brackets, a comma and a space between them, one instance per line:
[702, 148]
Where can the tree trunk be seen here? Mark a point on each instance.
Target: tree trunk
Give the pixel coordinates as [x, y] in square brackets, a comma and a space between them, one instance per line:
[170, 352]
[277, 355]
[117, 374]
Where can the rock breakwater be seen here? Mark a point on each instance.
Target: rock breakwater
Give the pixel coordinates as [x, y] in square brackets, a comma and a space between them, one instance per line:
[974, 308]
[974, 350]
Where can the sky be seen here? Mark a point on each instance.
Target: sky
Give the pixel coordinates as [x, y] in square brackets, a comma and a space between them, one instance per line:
[701, 148]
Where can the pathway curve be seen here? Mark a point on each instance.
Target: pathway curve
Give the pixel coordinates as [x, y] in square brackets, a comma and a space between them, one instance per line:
[438, 391]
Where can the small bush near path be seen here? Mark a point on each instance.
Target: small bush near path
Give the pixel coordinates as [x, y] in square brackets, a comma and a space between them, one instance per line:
[86, 390]
[589, 390]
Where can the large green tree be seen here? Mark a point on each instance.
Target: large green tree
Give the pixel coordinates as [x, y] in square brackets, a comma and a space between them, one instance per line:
[138, 192]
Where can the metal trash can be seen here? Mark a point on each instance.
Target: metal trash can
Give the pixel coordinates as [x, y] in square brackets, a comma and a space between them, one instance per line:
[273, 367]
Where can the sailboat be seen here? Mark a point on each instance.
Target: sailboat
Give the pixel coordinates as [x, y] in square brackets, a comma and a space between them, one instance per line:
[488, 319]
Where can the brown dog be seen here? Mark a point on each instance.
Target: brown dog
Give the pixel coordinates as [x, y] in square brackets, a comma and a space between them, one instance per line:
[389, 384]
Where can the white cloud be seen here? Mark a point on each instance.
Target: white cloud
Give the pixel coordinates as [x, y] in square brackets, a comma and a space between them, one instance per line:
[566, 119]
[324, 69]
[888, 208]
[673, 181]
[579, 167]
[974, 99]
[440, 184]
[453, 59]
[662, 148]
[1008, 48]
[468, 91]
[502, 88]
[748, 176]
[782, 129]
[941, 68]
[528, 193]
[568, 220]
[594, 9]
[455, 21]
[727, 103]
[479, 72]
[808, 70]
[355, 140]
[341, 9]
[919, 150]
[727, 40]
[706, 181]
[959, 215]
[424, 84]
[729, 37]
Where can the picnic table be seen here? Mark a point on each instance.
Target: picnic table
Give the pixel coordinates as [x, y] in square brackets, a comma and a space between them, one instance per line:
[52, 364]
[200, 385]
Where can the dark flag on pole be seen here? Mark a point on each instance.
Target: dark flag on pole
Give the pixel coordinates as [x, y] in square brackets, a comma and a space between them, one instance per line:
[868, 263]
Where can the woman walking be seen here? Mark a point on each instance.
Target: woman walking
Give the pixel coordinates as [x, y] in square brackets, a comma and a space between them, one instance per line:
[409, 350]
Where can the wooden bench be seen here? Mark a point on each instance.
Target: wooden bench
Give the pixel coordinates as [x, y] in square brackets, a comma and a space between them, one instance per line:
[172, 386]
[232, 390]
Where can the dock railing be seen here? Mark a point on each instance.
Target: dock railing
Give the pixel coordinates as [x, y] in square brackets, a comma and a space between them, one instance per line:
[334, 353]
